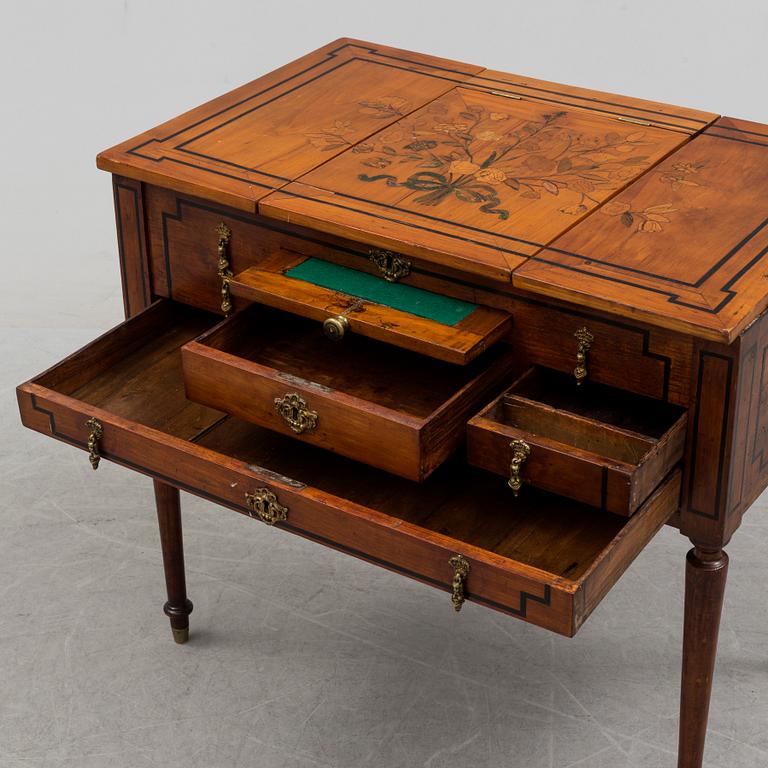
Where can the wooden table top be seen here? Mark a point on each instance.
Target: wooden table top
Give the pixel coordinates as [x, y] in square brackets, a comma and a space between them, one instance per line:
[638, 208]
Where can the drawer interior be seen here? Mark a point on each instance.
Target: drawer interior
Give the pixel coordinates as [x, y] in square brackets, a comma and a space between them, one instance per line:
[547, 559]
[358, 366]
[616, 409]
[531, 416]
[135, 373]
[470, 505]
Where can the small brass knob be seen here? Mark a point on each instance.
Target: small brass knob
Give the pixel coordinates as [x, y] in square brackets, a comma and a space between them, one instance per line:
[335, 327]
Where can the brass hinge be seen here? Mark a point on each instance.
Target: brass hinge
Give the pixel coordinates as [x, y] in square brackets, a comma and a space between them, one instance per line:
[506, 95]
[633, 120]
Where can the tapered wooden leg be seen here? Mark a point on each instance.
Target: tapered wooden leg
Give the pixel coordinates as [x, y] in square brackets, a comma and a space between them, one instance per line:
[705, 577]
[178, 607]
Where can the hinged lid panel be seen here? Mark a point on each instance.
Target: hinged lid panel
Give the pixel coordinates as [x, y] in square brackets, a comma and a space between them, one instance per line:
[474, 180]
[248, 142]
[612, 105]
[684, 247]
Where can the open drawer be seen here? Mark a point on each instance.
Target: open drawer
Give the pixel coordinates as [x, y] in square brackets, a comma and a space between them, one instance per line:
[546, 560]
[348, 301]
[386, 406]
[600, 445]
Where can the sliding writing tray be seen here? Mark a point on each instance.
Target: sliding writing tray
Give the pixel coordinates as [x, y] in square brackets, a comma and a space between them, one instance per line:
[386, 406]
[350, 301]
[547, 560]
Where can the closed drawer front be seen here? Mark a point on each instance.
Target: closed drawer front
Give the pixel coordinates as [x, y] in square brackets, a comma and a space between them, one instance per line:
[599, 445]
[651, 362]
[388, 407]
[548, 561]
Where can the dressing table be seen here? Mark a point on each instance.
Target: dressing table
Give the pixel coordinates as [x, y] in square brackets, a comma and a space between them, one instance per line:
[488, 332]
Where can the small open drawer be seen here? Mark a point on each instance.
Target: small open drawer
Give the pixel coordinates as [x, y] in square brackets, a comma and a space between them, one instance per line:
[546, 560]
[600, 445]
[347, 302]
[391, 408]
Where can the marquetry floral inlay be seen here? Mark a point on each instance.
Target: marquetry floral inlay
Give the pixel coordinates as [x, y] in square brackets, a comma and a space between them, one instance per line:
[340, 134]
[680, 175]
[648, 219]
[486, 158]
[653, 217]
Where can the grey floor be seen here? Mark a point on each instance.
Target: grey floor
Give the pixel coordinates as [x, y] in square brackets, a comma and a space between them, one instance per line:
[303, 658]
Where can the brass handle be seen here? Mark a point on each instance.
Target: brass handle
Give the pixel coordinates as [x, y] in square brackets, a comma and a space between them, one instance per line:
[392, 266]
[96, 433]
[520, 452]
[296, 413]
[585, 339]
[264, 504]
[335, 327]
[460, 572]
[223, 270]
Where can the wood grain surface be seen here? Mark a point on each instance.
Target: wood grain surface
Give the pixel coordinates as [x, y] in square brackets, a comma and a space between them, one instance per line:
[684, 247]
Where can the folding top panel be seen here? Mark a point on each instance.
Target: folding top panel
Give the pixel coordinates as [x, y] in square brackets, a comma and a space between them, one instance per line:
[240, 146]
[474, 180]
[684, 247]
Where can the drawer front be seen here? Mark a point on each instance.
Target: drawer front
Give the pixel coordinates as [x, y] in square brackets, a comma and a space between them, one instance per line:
[342, 409]
[103, 398]
[650, 362]
[602, 463]
[341, 424]
[553, 467]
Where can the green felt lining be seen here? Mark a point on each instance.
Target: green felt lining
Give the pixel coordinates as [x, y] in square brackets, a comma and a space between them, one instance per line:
[361, 285]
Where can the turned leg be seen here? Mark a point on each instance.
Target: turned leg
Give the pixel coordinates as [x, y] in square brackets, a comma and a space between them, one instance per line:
[178, 608]
[705, 576]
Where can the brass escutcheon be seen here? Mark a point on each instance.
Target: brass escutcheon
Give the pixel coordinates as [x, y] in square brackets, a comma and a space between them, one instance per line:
[335, 327]
[224, 272]
[520, 452]
[460, 572]
[585, 339]
[296, 413]
[95, 434]
[392, 266]
[262, 503]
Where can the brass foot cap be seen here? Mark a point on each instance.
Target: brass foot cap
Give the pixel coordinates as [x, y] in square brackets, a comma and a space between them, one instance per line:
[180, 635]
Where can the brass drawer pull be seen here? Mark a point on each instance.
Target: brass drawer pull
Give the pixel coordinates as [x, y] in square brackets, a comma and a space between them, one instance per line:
[520, 452]
[585, 339]
[296, 413]
[335, 327]
[460, 572]
[392, 266]
[96, 433]
[262, 503]
[224, 272]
